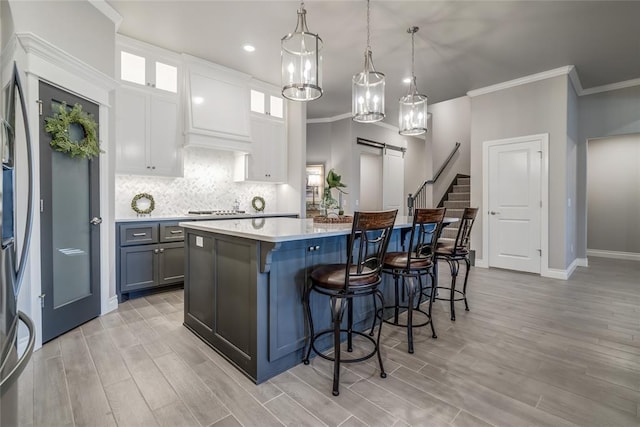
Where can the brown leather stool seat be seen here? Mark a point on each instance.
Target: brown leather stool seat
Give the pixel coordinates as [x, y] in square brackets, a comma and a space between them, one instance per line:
[412, 265]
[359, 277]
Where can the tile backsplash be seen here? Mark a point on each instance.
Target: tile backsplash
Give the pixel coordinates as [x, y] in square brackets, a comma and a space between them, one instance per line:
[207, 184]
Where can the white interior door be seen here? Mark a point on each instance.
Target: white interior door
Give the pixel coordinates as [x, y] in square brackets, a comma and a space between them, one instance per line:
[514, 195]
[393, 180]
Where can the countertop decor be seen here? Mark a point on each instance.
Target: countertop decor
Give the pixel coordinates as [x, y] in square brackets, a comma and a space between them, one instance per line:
[333, 219]
[258, 203]
[143, 196]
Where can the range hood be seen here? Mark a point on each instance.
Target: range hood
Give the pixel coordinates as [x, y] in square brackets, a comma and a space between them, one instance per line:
[218, 107]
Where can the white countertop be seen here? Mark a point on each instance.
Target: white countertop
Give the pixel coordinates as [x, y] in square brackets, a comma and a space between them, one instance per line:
[282, 229]
[195, 217]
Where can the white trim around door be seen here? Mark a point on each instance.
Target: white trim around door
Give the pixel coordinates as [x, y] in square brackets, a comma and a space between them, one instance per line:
[544, 197]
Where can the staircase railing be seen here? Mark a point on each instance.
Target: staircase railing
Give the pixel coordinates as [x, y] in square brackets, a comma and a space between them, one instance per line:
[419, 197]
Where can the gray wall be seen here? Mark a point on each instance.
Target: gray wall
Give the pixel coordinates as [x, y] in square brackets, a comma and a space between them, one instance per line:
[600, 115]
[571, 165]
[535, 108]
[334, 144]
[613, 177]
[451, 123]
[74, 26]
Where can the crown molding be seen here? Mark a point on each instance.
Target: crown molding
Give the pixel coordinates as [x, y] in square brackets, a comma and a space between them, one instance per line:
[330, 119]
[348, 116]
[39, 47]
[575, 81]
[612, 86]
[562, 71]
[108, 11]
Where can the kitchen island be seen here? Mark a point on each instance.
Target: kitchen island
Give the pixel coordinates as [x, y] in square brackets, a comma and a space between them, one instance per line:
[244, 281]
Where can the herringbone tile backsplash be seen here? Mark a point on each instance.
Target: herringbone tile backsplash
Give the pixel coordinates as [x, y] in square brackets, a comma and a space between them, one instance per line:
[207, 184]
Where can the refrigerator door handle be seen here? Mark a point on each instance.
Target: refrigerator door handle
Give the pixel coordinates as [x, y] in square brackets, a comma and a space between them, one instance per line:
[7, 381]
[27, 234]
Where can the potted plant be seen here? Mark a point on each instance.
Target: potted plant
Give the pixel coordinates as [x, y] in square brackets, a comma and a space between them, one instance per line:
[329, 204]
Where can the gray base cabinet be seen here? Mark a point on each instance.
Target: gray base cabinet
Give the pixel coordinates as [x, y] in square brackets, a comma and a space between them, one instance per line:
[151, 255]
[244, 297]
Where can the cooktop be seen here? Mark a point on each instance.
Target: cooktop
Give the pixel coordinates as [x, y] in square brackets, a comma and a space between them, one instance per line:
[216, 212]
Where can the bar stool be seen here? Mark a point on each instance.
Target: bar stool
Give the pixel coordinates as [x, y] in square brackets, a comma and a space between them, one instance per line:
[455, 252]
[413, 264]
[358, 277]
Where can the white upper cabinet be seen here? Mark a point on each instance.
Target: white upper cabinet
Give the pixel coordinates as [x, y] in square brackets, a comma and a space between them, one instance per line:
[267, 161]
[148, 141]
[147, 109]
[217, 106]
[266, 100]
[140, 64]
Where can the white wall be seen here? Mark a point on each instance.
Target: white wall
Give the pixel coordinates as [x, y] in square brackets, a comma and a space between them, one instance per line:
[370, 181]
[613, 194]
[534, 108]
[334, 143]
[451, 123]
[604, 114]
[73, 26]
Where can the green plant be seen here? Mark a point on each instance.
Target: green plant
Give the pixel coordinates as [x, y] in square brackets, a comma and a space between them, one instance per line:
[333, 181]
[58, 126]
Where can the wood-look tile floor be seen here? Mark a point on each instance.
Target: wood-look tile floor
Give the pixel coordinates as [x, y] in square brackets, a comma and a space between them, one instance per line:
[532, 351]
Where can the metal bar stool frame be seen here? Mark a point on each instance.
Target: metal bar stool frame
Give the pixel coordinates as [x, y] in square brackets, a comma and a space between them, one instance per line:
[358, 277]
[453, 255]
[412, 265]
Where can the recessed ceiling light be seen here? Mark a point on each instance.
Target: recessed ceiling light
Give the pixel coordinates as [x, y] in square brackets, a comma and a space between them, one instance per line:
[406, 80]
[248, 48]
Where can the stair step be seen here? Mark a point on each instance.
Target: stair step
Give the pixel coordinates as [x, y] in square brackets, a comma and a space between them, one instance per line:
[463, 181]
[456, 205]
[461, 188]
[449, 232]
[446, 241]
[454, 213]
[459, 196]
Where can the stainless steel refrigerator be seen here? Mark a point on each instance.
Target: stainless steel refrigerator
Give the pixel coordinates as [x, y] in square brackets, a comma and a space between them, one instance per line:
[12, 263]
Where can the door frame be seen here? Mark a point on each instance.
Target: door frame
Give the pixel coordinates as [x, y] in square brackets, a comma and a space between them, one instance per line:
[40, 60]
[544, 196]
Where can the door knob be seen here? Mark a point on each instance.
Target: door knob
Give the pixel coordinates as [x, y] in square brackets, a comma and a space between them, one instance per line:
[494, 213]
[96, 220]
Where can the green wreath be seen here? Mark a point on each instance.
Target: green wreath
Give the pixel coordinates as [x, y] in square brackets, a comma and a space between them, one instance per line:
[134, 203]
[258, 203]
[58, 127]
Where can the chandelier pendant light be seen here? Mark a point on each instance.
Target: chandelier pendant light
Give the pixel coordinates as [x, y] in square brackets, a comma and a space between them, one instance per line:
[368, 88]
[301, 62]
[412, 118]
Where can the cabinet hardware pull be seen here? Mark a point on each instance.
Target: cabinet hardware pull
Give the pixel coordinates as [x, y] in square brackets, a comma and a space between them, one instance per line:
[175, 231]
[155, 251]
[317, 248]
[139, 234]
[161, 250]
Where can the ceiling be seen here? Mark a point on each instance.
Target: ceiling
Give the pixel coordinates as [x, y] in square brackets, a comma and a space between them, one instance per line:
[461, 45]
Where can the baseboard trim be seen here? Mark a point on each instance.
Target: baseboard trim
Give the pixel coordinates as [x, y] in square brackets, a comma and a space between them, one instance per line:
[558, 273]
[481, 263]
[630, 256]
[582, 262]
[112, 304]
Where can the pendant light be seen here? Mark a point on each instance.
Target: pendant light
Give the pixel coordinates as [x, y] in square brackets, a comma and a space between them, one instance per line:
[412, 119]
[368, 88]
[301, 62]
